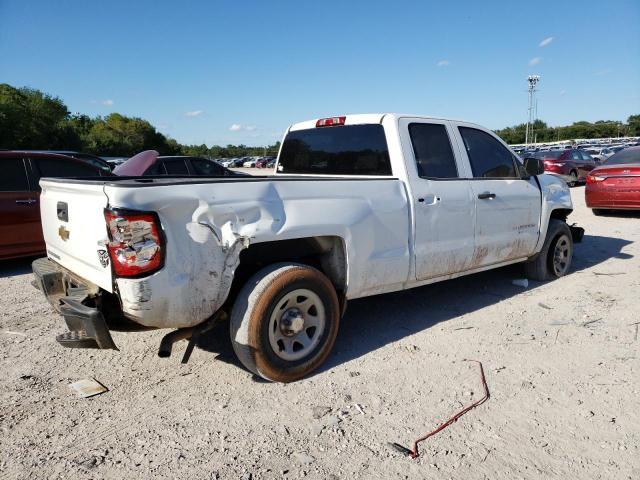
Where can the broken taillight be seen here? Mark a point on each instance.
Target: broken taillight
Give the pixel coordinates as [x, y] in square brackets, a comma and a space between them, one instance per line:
[135, 242]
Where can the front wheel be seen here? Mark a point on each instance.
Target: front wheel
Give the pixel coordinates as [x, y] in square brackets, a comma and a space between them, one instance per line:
[554, 260]
[285, 321]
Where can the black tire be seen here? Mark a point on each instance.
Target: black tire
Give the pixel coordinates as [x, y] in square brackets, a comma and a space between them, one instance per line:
[544, 266]
[574, 178]
[258, 326]
[598, 212]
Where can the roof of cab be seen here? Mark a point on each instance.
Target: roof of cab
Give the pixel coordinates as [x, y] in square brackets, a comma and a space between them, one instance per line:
[366, 118]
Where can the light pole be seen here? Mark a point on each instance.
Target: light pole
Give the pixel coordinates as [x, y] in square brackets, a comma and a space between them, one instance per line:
[533, 106]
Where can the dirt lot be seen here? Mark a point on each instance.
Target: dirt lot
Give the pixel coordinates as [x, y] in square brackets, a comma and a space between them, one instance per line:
[561, 361]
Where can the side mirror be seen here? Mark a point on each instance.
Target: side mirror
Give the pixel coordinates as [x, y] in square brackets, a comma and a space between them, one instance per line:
[534, 166]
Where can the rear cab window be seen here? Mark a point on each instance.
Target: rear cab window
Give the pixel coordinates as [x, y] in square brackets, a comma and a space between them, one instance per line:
[336, 150]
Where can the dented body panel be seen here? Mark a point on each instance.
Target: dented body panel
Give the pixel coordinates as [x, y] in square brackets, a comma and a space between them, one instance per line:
[207, 225]
[377, 233]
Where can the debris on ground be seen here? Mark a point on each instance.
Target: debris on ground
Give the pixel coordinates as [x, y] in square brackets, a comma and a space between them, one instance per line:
[319, 411]
[88, 387]
[413, 453]
[546, 307]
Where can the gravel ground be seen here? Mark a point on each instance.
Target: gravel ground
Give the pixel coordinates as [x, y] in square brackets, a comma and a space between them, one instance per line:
[561, 361]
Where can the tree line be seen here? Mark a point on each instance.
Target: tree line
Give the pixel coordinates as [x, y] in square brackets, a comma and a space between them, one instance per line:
[34, 120]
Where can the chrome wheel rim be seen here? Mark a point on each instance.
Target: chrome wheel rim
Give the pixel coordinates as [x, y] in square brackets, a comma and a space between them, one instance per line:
[562, 255]
[296, 324]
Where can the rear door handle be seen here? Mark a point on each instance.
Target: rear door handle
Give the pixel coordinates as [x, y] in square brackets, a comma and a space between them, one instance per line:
[29, 201]
[486, 195]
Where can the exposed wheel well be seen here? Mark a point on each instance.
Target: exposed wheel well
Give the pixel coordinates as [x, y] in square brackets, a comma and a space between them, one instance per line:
[326, 253]
[561, 213]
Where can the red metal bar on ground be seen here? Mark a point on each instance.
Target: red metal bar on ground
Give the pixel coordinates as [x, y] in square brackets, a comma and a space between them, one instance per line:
[414, 453]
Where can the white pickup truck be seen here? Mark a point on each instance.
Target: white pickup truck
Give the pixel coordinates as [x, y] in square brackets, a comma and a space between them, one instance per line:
[359, 205]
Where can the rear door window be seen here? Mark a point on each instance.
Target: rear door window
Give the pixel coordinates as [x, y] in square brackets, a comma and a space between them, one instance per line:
[432, 150]
[488, 157]
[176, 167]
[14, 175]
[201, 166]
[341, 150]
[63, 167]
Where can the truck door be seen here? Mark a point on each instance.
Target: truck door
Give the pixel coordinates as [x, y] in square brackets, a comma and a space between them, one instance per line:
[442, 199]
[507, 200]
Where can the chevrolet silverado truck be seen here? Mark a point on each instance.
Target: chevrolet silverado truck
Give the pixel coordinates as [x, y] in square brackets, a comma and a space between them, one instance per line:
[358, 205]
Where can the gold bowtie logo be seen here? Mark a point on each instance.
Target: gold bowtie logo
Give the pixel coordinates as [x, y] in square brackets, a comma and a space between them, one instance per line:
[63, 233]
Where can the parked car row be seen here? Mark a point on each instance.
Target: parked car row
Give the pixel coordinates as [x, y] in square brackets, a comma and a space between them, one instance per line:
[248, 162]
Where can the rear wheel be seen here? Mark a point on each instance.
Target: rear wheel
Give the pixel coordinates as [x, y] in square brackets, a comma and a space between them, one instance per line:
[285, 321]
[554, 260]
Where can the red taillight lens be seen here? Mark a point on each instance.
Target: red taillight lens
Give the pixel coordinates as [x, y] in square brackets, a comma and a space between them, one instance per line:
[135, 242]
[594, 179]
[331, 121]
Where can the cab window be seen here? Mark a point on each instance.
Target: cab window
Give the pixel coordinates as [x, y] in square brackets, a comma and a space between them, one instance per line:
[488, 157]
[432, 150]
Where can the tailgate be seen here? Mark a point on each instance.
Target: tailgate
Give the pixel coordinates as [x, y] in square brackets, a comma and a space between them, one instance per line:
[75, 230]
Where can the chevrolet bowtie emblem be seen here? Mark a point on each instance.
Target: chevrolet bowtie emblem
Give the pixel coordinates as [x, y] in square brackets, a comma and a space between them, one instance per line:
[63, 233]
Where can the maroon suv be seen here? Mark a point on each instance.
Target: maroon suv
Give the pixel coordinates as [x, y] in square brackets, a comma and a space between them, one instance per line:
[571, 164]
[20, 229]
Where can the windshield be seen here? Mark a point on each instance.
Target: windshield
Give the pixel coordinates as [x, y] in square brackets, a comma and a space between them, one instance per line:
[629, 155]
[342, 150]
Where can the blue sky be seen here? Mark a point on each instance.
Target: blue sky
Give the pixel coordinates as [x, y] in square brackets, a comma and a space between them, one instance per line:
[220, 72]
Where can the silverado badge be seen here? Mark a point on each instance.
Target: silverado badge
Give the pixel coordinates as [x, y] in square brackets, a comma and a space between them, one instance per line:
[63, 233]
[104, 258]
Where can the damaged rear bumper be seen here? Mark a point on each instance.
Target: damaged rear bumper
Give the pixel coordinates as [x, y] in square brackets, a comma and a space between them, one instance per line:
[69, 296]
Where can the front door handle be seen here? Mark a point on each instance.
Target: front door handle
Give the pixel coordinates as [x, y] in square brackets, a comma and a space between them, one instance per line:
[29, 201]
[486, 195]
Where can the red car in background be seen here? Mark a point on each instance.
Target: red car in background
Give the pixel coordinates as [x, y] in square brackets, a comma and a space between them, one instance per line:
[20, 229]
[615, 185]
[572, 165]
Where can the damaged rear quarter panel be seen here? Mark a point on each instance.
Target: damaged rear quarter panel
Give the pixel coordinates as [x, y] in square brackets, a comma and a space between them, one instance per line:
[208, 224]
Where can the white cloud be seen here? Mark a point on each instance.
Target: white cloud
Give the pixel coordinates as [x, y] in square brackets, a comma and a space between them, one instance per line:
[599, 73]
[534, 61]
[443, 63]
[195, 113]
[545, 42]
[236, 127]
[108, 102]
